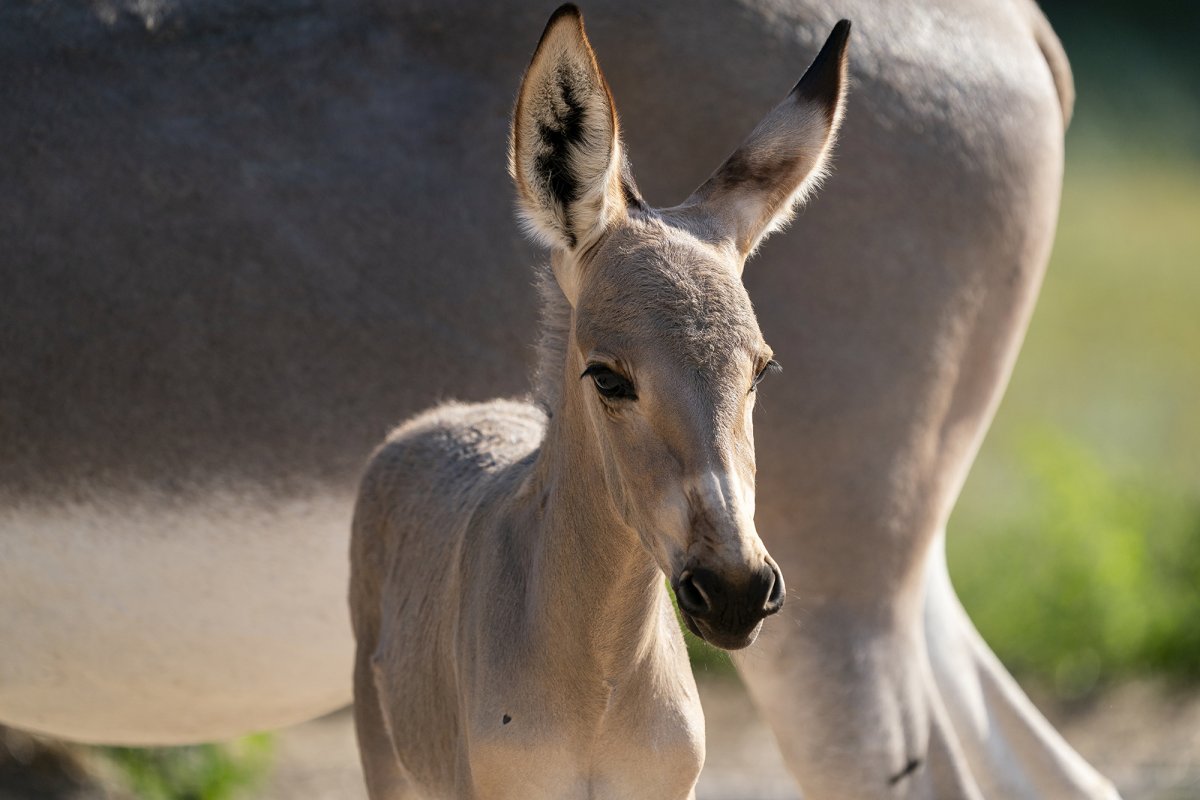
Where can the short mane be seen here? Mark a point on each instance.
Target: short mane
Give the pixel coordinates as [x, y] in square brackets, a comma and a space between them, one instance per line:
[552, 341]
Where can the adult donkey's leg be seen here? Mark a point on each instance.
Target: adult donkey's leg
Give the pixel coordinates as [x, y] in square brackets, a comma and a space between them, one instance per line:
[898, 316]
[1012, 749]
[878, 702]
[855, 708]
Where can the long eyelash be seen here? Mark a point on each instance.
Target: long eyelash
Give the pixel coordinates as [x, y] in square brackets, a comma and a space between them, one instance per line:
[771, 366]
[594, 369]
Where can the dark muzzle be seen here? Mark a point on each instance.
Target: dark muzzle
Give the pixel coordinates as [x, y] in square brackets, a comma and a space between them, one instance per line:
[728, 612]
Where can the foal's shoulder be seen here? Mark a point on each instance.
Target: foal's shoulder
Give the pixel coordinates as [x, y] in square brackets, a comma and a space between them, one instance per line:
[440, 464]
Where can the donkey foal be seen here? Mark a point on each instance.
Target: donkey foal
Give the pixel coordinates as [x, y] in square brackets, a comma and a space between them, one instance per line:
[515, 637]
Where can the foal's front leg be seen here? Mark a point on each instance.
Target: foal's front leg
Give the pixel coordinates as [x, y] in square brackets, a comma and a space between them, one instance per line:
[381, 769]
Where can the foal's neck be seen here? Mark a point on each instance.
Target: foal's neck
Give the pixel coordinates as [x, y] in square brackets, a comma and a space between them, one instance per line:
[600, 587]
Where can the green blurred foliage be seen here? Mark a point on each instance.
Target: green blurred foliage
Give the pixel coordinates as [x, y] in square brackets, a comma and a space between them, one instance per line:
[1076, 544]
[1089, 577]
[199, 772]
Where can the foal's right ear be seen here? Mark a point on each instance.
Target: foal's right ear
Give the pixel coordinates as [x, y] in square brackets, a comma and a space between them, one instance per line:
[565, 149]
[756, 189]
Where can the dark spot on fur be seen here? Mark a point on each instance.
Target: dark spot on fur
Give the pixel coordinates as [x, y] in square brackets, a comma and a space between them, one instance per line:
[912, 766]
[558, 136]
[822, 81]
[505, 719]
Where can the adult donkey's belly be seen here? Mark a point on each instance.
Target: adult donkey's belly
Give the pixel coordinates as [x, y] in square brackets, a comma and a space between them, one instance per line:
[234, 255]
[237, 246]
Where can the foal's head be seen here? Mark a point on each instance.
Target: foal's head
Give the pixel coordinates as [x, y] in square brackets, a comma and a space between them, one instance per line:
[663, 339]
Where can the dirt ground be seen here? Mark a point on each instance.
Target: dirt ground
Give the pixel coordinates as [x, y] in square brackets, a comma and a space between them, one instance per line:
[1146, 738]
[1143, 737]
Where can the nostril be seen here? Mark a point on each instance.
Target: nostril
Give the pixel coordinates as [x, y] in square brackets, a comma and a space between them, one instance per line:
[691, 597]
[777, 593]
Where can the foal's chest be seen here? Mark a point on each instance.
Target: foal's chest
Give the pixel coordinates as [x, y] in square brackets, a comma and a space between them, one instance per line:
[639, 748]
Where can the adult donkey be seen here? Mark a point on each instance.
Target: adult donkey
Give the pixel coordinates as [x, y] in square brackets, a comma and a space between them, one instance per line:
[204, 206]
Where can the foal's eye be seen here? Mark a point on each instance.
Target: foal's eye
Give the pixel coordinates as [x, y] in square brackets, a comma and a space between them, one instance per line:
[611, 385]
[770, 366]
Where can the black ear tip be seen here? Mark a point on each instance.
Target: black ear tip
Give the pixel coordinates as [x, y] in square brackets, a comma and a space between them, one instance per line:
[823, 78]
[565, 10]
[839, 36]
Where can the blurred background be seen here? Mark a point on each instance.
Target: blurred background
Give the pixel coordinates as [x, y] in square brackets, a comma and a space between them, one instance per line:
[1076, 544]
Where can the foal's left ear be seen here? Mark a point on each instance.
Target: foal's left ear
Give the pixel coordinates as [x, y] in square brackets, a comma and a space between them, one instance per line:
[565, 150]
[756, 189]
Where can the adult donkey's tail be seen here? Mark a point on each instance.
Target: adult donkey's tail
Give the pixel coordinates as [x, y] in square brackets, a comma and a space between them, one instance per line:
[1056, 59]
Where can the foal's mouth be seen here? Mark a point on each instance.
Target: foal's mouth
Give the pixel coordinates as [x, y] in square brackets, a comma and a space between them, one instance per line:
[725, 640]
